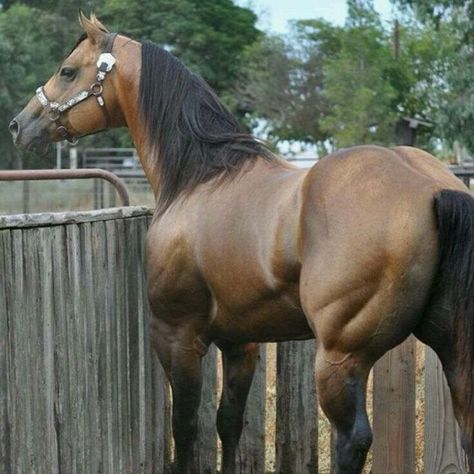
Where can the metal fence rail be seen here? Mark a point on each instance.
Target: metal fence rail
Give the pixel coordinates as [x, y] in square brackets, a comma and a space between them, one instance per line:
[37, 175]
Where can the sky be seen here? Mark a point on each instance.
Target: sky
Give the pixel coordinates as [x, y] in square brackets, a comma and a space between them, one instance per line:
[274, 14]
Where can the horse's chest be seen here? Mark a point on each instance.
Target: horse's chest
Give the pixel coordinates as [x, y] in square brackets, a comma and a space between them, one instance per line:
[173, 279]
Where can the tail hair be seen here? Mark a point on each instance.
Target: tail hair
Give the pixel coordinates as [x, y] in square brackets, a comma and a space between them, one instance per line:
[455, 218]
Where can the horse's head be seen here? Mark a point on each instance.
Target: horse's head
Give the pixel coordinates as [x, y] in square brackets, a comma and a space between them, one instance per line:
[78, 99]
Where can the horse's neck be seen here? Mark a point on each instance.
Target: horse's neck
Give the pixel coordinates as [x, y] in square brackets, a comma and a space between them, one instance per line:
[127, 84]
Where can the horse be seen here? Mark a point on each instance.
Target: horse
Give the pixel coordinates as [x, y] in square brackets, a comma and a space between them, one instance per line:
[365, 248]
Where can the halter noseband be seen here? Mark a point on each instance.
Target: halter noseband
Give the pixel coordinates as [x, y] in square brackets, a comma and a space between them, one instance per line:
[105, 63]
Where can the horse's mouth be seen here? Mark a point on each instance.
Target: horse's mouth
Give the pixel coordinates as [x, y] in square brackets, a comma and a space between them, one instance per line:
[38, 145]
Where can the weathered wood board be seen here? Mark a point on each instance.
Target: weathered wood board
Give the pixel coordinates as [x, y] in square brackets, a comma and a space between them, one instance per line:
[394, 411]
[297, 412]
[443, 452]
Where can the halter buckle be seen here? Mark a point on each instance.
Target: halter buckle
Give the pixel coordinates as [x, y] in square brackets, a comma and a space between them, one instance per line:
[97, 88]
[53, 113]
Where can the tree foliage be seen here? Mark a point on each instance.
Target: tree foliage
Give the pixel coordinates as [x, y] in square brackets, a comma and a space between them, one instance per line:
[207, 35]
[359, 85]
[453, 20]
[343, 85]
[282, 84]
[26, 60]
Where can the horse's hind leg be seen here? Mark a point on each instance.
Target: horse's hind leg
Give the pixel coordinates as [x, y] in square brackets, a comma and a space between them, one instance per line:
[355, 323]
[239, 362]
[341, 383]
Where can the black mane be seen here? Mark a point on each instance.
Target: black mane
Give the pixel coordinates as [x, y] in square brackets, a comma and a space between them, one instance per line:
[193, 135]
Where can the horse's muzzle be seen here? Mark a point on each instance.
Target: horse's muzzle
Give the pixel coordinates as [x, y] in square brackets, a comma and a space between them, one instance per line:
[28, 134]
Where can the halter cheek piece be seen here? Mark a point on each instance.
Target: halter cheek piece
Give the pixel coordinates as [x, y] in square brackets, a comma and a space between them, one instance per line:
[105, 63]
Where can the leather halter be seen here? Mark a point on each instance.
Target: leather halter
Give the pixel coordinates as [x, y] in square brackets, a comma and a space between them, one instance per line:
[105, 63]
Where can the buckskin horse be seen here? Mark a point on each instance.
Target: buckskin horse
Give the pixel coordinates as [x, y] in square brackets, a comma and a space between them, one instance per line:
[362, 250]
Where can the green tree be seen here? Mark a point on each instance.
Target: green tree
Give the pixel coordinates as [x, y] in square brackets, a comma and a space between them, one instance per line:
[345, 85]
[209, 36]
[358, 82]
[453, 21]
[284, 83]
[26, 61]
[386, 85]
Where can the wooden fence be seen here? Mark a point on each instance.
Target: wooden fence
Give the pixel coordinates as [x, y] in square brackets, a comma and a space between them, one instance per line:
[80, 391]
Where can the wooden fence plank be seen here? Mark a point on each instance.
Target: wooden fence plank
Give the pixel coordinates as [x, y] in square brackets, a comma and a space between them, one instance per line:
[122, 351]
[250, 457]
[443, 452]
[63, 419]
[112, 324]
[76, 310]
[297, 411]
[21, 379]
[88, 322]
[41, 242]
[394, 411]
[5, 350]
[205, 449]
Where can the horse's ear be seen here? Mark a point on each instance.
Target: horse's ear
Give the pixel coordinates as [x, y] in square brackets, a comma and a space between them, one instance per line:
[94, 29]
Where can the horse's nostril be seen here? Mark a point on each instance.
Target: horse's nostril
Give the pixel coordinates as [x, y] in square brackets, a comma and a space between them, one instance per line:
[14, 127]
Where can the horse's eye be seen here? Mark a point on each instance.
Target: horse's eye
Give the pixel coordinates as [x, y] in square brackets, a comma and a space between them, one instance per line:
[68, 72]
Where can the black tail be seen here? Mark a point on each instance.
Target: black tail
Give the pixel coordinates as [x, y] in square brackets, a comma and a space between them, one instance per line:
[455, 216]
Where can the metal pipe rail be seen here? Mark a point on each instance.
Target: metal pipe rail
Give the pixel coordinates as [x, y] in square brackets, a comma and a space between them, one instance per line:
[81, 173]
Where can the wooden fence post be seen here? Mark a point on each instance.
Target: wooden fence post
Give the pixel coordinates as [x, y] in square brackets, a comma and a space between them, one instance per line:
[443, 452]
[5, 275]
[205, 449]
[297, 409]
[394, 411]
[250, 458]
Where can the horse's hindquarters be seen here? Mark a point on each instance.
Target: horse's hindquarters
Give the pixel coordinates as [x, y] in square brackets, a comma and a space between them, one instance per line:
[369, 253]
[369, 256]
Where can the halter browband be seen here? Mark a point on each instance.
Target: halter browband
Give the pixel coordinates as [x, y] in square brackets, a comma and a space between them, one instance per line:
[105, 63]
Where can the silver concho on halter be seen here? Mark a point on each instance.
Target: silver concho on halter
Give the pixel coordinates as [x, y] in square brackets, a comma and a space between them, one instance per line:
[107, 59]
